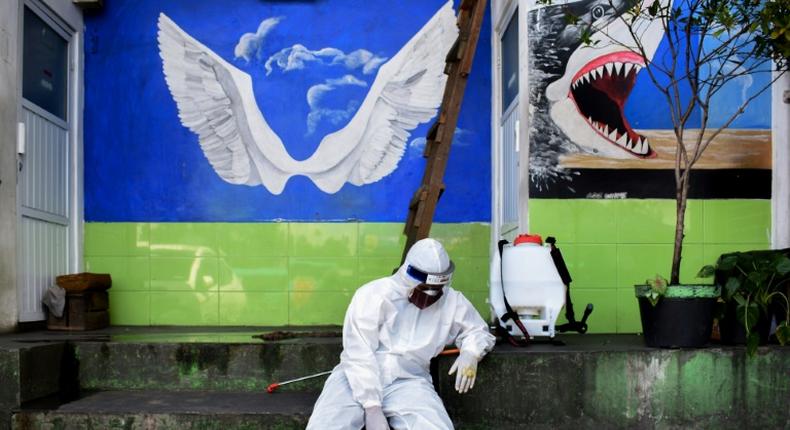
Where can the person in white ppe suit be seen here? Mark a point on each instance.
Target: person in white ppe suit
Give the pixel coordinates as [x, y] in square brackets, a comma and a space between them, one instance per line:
[392, 329]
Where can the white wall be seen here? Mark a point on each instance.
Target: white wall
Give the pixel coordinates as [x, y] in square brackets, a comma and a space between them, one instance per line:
[780, 189]
[9, 87]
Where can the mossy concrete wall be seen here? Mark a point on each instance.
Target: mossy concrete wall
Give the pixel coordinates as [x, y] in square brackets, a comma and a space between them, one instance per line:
[593, 382]
[31, 372]
[648, 388]
[203, 366]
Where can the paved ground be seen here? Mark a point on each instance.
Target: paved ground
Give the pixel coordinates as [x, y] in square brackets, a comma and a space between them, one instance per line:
[185, 402]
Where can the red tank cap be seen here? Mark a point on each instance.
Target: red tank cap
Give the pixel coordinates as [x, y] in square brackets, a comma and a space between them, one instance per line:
[528, 238]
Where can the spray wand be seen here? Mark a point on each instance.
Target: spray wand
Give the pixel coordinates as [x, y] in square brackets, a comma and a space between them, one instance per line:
[275, 385]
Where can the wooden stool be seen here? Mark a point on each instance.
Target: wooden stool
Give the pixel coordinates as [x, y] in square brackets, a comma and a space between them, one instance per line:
[87, 302]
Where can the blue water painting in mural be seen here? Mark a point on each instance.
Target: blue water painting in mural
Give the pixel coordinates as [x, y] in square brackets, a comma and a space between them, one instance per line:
[312, 66]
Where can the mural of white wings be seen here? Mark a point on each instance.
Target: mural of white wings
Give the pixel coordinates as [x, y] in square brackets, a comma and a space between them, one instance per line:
[215, 101]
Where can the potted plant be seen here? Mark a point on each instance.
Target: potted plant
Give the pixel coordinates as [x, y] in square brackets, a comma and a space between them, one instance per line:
[676, 316]
[755, 288]
[711, 44]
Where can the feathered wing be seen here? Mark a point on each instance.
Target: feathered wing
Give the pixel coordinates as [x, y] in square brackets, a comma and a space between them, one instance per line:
[215, 100]
[407, 91]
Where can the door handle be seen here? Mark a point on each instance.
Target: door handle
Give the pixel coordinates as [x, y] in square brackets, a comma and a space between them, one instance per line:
[20, 143]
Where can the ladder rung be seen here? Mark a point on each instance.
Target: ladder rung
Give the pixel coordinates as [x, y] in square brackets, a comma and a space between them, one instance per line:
[467, 4]
[454, 54]
[426, 153]
[419, 196]
[432, 131]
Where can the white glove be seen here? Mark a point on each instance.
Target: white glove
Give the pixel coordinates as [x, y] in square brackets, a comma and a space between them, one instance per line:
[375, 419]
[466, 365]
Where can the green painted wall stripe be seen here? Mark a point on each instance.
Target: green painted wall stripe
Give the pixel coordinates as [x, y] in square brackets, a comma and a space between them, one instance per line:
[612, 245]
[261, 273]
[305, 273]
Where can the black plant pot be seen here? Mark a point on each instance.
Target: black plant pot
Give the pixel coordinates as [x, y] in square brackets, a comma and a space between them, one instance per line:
[680, 319]
[733, 332]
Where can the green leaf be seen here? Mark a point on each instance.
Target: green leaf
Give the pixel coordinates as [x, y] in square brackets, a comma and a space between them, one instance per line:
[783, 265]
[783, 333]
[727, 263]
[752, 342]
[653, 9]
[732, 286]
[759, 279]
[748, 315]
[653, 297]
[706, 271]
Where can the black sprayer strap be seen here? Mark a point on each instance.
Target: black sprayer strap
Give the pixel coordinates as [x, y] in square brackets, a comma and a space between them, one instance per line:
[570, 315]
[556, 255]
[510, 314]
[565, 275]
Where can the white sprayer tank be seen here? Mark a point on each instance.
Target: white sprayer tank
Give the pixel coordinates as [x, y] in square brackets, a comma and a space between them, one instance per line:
[532, 285]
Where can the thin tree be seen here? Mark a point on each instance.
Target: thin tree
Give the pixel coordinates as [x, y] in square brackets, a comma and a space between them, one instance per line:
[710, 43]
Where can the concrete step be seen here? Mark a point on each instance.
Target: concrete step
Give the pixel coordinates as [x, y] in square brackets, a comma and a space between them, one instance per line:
[204, 366]
[153, 409]
[594, 381]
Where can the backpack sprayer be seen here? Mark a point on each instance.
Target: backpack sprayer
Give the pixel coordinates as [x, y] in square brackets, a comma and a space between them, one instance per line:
[530, 284]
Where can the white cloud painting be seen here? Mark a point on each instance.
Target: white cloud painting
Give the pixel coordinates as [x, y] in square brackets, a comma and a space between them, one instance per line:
[297, 56]
[250, 44]
[316, 94]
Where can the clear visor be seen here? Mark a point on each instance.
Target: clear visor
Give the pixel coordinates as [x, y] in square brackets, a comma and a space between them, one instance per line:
[431, 279]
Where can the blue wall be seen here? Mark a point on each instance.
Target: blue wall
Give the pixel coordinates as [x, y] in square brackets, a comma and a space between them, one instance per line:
[143, 165]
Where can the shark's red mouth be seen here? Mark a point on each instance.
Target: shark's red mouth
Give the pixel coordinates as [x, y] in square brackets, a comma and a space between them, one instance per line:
[600, 90]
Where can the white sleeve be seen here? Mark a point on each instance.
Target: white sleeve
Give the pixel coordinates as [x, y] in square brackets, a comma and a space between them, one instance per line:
[473, 335]
[360, 341]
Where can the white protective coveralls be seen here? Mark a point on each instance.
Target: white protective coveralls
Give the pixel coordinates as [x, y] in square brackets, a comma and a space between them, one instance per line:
[387, 346]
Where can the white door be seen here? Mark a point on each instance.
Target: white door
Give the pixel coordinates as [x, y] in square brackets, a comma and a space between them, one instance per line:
[43, 187]
[506, 122]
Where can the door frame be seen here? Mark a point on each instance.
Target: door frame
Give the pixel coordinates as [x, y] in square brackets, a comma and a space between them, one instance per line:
[66, 20]
[502, 12]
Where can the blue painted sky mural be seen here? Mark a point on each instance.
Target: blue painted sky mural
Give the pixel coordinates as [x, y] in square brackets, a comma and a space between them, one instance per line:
[312, 64]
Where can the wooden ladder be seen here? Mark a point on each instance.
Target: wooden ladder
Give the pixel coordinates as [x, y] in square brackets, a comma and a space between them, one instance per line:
[437, 148]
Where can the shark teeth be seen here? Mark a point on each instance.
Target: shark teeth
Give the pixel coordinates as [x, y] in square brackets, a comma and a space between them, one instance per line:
[615, 68]
[639, 146]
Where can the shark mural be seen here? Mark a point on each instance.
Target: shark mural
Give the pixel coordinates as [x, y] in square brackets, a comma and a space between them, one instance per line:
[577, 91]
[216, 102]
[582, 139]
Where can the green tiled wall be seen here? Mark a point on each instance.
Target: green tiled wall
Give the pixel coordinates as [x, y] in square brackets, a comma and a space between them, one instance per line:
[260, 273]
[306, 273]
[610, 245]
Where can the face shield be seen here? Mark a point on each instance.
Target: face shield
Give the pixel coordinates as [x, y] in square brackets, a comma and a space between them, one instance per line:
[430, 288]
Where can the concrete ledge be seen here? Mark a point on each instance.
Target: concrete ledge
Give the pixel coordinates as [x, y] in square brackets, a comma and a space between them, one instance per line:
[623, 385]
[595, 381]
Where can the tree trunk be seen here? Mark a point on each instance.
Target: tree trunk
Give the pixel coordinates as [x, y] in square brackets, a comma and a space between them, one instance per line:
[681, 196]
